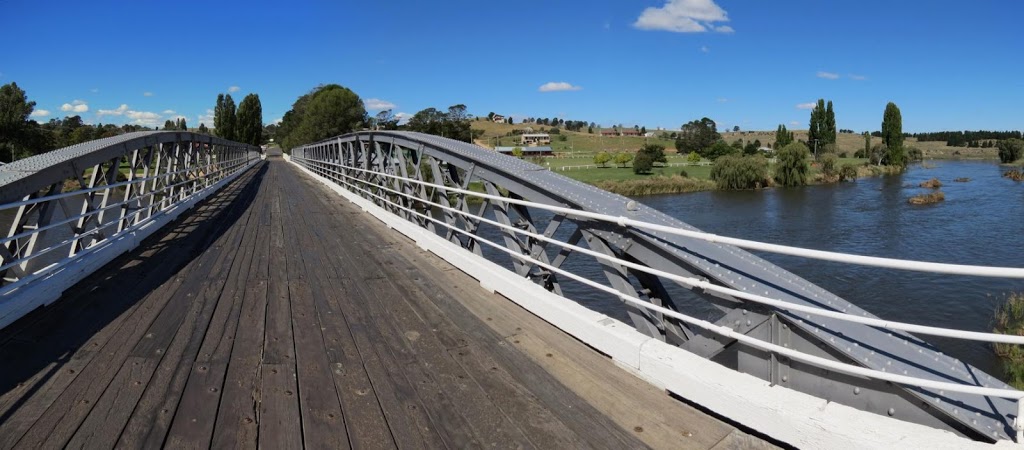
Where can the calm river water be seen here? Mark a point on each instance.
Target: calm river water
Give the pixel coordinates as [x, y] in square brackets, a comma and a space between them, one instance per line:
[981, 222]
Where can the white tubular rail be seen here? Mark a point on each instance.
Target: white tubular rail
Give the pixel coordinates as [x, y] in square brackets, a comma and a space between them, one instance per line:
[725, 331]
[707, 286]
[874, 261]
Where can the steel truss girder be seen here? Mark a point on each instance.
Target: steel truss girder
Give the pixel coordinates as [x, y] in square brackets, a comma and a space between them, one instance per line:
[122, 180]
[457, 164]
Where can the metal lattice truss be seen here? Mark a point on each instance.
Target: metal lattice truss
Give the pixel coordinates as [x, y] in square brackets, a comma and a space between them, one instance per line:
[394, 169]
[57, 205]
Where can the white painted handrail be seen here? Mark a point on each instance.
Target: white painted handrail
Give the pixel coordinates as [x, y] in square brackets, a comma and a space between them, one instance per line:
[725, 331]
[718, 329]
[702, 284]
[874, 261]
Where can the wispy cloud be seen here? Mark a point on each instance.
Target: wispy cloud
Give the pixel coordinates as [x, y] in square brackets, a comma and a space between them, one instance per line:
[403, 117]
[828, 75]
[234, 89]
[704, 49]
[147, 94]
[808, 105]
[794, 123]
[377, 104]
[40, 113]
[723, 100]
[554, 86]
[206, 119]
[684, 16]
[94, 90]
[113, 112]
[857, 77]
[169, 111]
[144, 118]
[77, 106]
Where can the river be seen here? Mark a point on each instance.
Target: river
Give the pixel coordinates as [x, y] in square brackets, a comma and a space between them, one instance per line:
[981, 222]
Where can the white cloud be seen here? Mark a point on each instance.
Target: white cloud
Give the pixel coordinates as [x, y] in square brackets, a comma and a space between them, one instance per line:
[147, 94]
[278, 121]
[554, 86]
[828, 75]
[684, 16]
[114, 112]
[77, 106]
[234, 89]
[704, 49]
[809, 105]
[403, 117]
[377, 104]
[94, 90]
[206, 119]
[169, 111]
[144, 118]
[40, 113]
[795, 123]
[723, 100]
[857, 77]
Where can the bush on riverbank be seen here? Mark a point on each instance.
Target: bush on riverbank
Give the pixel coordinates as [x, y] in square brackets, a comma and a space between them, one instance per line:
[791, 166]
[1010, 320]
[927, 199]
[1015, 175]
[656, 185]
[740, 172]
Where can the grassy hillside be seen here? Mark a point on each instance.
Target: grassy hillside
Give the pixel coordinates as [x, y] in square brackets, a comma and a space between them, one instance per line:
[585, 144]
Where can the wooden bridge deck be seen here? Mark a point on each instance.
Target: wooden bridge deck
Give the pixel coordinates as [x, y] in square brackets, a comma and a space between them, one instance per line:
[277, 315]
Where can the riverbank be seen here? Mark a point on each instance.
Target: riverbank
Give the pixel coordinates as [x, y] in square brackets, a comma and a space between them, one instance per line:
[677, 178]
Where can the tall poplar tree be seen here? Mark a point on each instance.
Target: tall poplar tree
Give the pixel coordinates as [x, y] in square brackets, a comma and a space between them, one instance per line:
[224, 117]
[892, 135]
[250, 120]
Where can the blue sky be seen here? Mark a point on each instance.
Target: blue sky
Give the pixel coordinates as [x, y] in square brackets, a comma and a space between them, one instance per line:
[948, 65]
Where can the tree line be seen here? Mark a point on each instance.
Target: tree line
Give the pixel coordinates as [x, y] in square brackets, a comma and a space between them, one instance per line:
[21, 137]
[331, 110]
[967, 138]
[241, 124]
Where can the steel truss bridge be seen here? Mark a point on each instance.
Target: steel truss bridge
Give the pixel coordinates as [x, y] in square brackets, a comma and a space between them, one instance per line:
[71, 211]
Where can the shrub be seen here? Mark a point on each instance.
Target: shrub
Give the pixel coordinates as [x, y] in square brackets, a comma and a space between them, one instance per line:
[914, 154]
[1010, 150]
[740, 172]
[623, 158]
[847, 172]
[718, 150]
[791, 165]
[693, 157]
[602, 159]
[655, 152]
[682, 173]
[1010, 320]
[828, 164]
[642, 163]
[927, 199]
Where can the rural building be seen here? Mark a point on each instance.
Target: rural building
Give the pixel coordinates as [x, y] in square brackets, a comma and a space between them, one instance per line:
[534, 139]
[629, 132]
[498, 118]
[527, 151]
[609, 133]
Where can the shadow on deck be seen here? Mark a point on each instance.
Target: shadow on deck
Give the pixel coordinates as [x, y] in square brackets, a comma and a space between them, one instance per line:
[276, 314]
